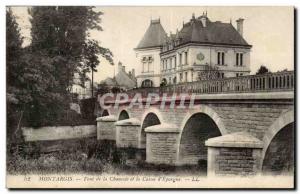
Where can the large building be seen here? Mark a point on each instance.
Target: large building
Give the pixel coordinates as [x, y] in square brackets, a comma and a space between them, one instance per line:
[200, 49]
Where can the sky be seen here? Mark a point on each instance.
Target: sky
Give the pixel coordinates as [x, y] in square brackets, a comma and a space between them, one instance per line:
[270, 30]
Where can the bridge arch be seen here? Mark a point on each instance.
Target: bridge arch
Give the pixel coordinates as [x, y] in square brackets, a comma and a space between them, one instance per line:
[198, 125]
[104, 112]
[279, 143]
[123, 114]
[151, 117]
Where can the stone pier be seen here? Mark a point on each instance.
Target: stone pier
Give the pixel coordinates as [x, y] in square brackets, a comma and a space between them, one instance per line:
[106, 129]
[127, 133]
[162, 143]
[234, 154]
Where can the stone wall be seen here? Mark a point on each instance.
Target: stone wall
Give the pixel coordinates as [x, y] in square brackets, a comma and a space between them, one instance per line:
[234, 154]
[106, 129]
[58, 132]
[253, 118]
[128, 133]
[162, 148]
[235, 161]
[162, 144]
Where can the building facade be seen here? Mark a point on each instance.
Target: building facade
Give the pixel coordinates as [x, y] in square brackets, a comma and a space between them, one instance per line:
[122, 79]
[82, 91]
[200, 50]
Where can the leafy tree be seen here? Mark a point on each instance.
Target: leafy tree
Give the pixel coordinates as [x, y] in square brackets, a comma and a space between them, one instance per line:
[14, 42]
[62, 32]
[91, 59]
[262, 70]
[40, 76]
[14, 69]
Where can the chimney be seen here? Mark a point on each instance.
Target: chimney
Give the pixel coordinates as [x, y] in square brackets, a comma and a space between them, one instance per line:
[130, 74]
[239, 25]
[203, 21]
[120, 66]
[133, 73]
[123, 68]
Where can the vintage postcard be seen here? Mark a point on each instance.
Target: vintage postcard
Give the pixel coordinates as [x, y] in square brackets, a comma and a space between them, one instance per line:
[197, 97]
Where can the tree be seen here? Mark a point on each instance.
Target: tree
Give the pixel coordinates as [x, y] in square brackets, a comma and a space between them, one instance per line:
[14, 51]
[90, 54]
[62, 32]
[40, 76]
[14, 42]
[262, 70]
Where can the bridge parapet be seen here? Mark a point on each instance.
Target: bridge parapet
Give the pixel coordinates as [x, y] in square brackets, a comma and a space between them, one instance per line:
[269, 82]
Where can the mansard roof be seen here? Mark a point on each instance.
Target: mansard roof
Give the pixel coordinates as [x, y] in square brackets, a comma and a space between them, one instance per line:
[154, 36]
[213, 33]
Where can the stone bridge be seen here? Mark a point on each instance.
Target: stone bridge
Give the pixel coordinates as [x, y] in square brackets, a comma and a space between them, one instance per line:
[241, 126]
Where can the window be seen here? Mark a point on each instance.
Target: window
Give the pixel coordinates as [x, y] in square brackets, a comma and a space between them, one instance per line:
[237, 75]
[180, 59]
[170, 81]
[221, 58]
[145, 67]
[186, 76]
[239, 59]
[147, 63]
[166, 64]
[175, 62]
[185, 58]
[180, 77]
[150, 66]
